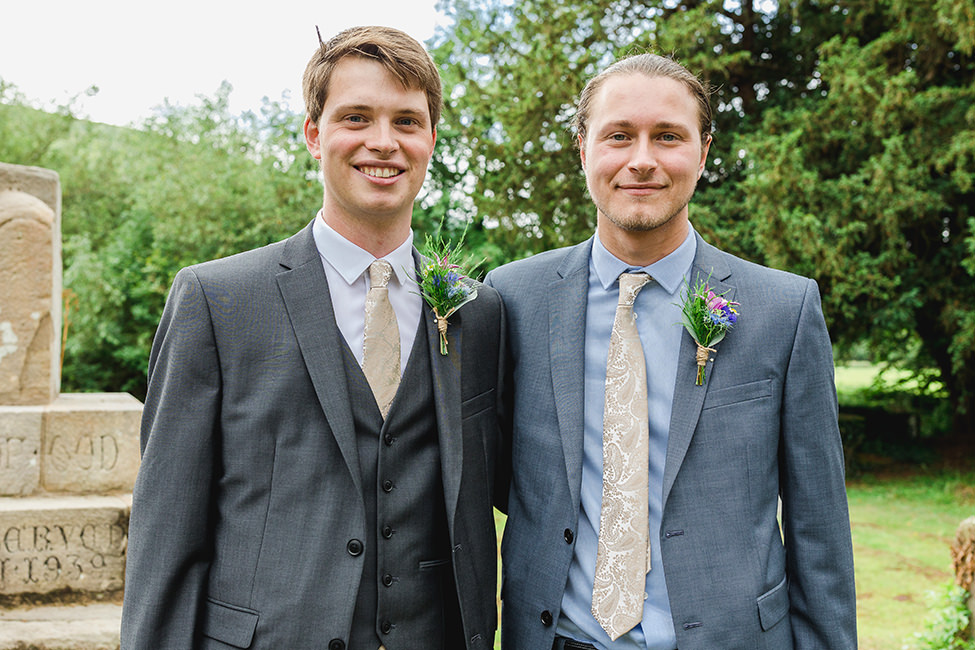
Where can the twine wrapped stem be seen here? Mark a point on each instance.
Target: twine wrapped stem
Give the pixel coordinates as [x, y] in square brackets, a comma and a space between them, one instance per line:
[703, 356]
[442, 329]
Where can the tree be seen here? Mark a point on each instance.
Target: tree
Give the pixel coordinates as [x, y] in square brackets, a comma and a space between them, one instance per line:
[193, 184]
[873, 185]
[821, 108]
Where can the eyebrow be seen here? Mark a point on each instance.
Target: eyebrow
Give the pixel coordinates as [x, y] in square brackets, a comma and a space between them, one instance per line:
[627, 124]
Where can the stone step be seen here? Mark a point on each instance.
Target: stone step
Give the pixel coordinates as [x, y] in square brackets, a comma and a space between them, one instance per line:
[65, 627]
[63, 545]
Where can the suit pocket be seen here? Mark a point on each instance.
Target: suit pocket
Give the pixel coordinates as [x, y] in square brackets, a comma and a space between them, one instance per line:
[426, 565]
[737, 394]
[773, 605]
[230, 624]
[478, 403]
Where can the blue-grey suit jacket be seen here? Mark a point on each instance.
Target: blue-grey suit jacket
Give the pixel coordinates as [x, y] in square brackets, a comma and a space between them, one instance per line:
[762, 427]
[250, 493]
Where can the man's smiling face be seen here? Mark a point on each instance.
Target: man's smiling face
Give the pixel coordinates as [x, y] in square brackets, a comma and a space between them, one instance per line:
[374, 140]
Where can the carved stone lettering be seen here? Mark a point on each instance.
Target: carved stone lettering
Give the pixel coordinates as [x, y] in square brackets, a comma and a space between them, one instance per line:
[91, 443]
[20, 442]
[79, 546]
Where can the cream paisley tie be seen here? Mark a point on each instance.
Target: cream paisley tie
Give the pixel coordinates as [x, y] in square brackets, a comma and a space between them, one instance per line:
[380, 354]
[623, 552]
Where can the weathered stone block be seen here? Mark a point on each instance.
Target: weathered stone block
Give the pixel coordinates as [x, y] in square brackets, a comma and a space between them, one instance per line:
[30, 285]
[20, 449]
[65, 543]
[90, 443]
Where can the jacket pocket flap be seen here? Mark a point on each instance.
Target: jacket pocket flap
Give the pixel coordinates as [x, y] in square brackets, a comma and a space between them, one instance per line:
[773, 605]
[229, 623]
[478, 403]
[736, 394]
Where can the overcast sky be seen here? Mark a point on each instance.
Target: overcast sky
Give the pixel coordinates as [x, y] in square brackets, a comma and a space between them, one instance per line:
[140, 53]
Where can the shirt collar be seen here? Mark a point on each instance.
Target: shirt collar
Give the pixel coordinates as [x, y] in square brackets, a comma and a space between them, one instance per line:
[668, 272]
[351, 261]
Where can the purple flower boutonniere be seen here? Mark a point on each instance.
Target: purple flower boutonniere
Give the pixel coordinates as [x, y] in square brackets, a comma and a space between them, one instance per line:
[707, 317]
[443, 283]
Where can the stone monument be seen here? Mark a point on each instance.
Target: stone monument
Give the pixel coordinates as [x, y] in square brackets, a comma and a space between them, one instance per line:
[67, 461]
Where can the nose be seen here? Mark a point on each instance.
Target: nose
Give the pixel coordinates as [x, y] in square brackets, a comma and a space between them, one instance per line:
[382, 138]
[643, 159]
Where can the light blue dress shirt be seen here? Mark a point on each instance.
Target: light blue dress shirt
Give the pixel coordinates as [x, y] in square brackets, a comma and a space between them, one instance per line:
[658, 320]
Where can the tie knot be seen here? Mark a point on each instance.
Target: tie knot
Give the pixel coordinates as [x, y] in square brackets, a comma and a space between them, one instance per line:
[630, 285]
[379, 273]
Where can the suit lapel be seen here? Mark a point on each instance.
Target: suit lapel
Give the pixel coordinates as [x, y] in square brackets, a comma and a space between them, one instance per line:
[711, 266]
[446, 376]
[567, 301]
[306, 297]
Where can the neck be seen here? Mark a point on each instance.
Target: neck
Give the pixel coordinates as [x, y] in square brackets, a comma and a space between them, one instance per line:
[380, 237]
[642, 247]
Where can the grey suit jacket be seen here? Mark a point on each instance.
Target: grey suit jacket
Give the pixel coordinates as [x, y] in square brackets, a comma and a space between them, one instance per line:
[249, 502]
[763, 426]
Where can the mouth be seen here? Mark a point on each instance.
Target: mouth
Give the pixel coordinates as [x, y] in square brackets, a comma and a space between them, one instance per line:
[641, 189]
[379, 172]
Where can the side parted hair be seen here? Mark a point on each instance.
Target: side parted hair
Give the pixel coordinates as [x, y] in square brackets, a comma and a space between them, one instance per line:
[650, 65]
[398, 52]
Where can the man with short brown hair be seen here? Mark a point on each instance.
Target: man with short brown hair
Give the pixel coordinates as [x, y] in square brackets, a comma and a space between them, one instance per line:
[316, 473]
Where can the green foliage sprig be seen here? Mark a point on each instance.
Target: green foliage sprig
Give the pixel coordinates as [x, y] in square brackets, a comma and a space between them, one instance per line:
[707, 317]
[443, 283]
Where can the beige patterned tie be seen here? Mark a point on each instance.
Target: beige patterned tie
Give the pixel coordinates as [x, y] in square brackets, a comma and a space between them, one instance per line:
[623, 553]
[380, 345]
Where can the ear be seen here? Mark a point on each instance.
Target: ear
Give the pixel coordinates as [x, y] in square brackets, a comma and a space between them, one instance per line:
[311, 139]
[433, 142]
[582, 150]
[705, 147]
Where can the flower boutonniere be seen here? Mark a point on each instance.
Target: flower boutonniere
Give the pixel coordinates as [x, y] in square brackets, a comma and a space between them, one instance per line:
[443, 284]
[707, 317]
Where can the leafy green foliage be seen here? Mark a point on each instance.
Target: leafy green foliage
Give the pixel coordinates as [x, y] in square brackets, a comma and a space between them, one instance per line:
[948, 626]
[844, 148]
[194, 184]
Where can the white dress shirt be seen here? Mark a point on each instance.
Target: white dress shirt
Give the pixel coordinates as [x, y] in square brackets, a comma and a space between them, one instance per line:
[347, 271]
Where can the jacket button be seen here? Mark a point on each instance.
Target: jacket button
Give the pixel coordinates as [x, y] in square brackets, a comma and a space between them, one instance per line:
[546, 618]
[388, 439]
[336, 644]
[387, 486]
[386, 627]
[387, 532]
[354, 547]
[568, 536]
[388, 580]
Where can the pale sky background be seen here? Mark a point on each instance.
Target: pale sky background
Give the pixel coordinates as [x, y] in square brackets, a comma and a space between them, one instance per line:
[140, 53]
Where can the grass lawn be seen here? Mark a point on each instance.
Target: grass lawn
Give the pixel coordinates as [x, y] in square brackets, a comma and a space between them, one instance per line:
[903, 527]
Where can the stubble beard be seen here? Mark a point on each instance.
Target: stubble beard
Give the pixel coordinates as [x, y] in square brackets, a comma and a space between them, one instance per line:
[649, 217]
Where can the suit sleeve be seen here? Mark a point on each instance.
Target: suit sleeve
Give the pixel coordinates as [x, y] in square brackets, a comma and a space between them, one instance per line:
[169, 531]
[502, 477]
[815, 515]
